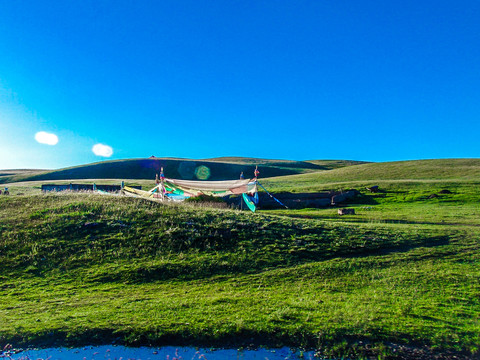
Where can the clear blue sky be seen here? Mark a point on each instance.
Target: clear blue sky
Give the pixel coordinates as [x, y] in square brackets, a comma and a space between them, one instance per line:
[361, 80]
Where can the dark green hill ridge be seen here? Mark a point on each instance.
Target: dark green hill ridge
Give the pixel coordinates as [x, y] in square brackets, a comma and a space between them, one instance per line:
[174, 168]
[306, 164]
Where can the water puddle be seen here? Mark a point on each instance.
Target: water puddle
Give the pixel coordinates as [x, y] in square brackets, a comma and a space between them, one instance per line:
[150, 353]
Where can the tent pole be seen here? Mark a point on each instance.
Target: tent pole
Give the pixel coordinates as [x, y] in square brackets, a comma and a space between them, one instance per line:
[162, 177]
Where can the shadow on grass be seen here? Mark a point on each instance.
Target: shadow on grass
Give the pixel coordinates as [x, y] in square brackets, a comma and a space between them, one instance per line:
[191, 270]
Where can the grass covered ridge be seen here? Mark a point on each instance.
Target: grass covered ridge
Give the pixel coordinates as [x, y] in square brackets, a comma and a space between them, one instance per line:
[83, 269]
[218, 169]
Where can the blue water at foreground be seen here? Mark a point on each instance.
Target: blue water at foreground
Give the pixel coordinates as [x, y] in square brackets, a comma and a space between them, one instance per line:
[150, 353]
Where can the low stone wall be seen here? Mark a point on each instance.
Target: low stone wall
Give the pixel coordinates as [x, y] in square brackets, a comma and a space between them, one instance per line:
[306, 200]
[82, 187]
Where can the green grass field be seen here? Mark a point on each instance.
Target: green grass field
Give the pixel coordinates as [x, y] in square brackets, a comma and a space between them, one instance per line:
[80, 268]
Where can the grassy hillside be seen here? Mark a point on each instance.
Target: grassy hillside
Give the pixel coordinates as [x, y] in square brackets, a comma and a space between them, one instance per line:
[308, 164]
[442, 170]
[437, 192]
[213, 169]
[9, 175]
[336, 164]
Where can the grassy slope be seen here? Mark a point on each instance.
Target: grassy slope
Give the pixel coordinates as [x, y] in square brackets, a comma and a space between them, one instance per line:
[77, 265]
[308, 164]
[8, 175]
[404, 202]
[404, 269]
[404, 172]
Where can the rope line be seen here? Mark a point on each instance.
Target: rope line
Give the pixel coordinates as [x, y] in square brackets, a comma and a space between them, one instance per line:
[273, 197]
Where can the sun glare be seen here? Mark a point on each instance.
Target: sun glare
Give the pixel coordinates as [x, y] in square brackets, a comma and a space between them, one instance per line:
[102, 150]
[46, 138]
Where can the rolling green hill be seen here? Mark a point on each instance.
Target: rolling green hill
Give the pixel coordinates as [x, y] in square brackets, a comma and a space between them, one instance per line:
[313, 165]
[217, 169]
[9, 175]
[438, 170]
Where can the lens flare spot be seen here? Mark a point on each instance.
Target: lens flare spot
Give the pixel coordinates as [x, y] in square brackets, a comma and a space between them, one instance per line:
[186, 169]
[202, 172]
